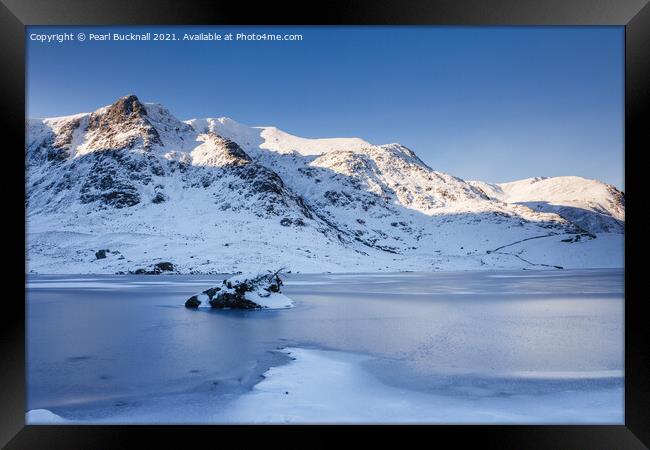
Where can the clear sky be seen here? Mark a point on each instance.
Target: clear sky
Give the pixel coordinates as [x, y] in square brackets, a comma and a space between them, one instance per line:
[489, 103]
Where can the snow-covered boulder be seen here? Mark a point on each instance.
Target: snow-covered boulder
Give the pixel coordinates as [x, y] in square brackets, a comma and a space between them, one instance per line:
[243, 291]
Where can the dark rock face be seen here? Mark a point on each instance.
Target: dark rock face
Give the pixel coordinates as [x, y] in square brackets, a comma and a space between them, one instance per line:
[100, 254]
[192, 302]
[212, 291]
[109, 180]
[262, 180]
[234, 301]
[157, 269]
[159, 198]
[286, 222]
[113, 176]
[164, 266]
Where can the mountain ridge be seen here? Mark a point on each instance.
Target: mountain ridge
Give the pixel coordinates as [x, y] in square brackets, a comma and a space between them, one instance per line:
[133, 177]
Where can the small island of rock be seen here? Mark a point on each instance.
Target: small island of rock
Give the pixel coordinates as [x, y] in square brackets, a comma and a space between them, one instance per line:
[243, 291]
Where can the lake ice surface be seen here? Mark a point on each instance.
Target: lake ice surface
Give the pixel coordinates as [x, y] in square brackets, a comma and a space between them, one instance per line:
[442, 347]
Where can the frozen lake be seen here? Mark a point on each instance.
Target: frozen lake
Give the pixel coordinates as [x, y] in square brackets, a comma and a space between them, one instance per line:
[444, 347]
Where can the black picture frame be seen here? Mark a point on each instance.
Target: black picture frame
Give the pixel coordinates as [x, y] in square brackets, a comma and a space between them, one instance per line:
[634, 15]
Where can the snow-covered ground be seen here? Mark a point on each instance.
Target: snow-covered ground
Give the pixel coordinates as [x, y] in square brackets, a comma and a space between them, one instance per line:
[219, 249]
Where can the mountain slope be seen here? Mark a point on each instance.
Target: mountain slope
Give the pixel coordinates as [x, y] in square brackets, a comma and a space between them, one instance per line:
[595, 206]
[213, 195]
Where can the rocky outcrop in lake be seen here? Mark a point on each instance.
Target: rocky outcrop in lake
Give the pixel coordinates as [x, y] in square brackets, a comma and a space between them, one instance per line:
[244, 291]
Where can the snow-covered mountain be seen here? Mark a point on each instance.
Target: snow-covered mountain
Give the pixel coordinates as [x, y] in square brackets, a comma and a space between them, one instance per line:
[213, 195]
[593, 205]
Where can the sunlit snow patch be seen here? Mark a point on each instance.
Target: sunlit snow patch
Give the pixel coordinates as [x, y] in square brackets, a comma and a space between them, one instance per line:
[321, 386]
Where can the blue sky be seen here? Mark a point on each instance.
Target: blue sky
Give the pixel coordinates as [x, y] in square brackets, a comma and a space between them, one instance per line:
[489, 103]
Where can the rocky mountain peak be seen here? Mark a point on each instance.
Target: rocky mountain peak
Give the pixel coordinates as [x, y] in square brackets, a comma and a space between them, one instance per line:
[121, 125]
[125, 107]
